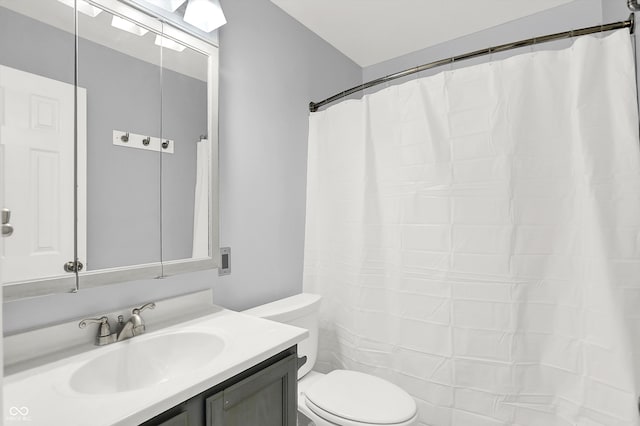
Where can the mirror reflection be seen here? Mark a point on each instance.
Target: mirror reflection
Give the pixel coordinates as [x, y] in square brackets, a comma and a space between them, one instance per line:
[37, 102]
[135, 130]
[119, 65]
[185, 169]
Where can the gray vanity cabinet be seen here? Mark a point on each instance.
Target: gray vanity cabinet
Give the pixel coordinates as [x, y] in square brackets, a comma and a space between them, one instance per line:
[267, 398]
[263, 395]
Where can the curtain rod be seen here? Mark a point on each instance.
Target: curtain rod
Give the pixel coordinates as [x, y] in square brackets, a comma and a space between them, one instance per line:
[313, 106]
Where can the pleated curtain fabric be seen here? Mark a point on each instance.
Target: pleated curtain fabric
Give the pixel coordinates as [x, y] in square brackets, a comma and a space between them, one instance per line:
[475, 236]
[201, 204]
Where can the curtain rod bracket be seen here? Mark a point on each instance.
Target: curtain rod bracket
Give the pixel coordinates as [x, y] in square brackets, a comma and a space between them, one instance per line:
[633, 5]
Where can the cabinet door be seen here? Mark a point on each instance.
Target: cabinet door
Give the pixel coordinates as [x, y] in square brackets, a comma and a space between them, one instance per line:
[267, 398]
[180, 415]
[181, 419]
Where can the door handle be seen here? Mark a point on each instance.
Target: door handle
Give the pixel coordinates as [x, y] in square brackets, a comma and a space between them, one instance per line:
[7, 228]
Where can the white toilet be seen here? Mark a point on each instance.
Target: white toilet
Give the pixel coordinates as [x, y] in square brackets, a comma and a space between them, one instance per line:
[341, 397]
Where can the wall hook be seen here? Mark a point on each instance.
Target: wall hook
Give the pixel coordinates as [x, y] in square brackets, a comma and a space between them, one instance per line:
[142, 141]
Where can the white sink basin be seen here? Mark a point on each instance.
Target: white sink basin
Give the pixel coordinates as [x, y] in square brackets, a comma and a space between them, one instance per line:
[146, 361]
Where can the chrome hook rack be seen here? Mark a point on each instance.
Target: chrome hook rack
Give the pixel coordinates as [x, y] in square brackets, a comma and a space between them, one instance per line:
[146, 142]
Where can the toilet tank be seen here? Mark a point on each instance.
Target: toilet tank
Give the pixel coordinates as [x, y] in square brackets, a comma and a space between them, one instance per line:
[301, 311]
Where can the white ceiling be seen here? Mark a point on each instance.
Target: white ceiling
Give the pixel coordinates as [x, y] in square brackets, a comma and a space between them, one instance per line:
[372, 31]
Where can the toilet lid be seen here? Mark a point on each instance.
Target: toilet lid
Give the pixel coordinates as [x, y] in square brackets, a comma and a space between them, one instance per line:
[361, 398]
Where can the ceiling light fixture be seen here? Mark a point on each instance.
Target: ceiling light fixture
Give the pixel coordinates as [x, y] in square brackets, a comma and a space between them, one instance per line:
[83, 7]
[128, 26]
[170, 5]
[205, 14]
[169, 44]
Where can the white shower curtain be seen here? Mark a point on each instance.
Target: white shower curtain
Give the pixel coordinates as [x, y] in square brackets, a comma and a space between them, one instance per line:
[201, 203]
[476, 238]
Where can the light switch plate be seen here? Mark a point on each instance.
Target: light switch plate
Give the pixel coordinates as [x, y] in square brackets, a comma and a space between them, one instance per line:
[225, 261]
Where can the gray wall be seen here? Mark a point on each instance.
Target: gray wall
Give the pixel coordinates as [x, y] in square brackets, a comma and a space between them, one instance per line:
[270, 68]
[615, 10]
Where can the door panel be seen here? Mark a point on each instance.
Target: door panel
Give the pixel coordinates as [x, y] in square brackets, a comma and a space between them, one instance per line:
[37, 138]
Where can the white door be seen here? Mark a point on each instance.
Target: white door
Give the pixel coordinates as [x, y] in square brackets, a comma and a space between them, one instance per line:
[37, 139]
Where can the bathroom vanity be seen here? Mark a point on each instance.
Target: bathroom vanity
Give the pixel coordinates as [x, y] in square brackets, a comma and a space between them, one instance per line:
[263, 395]
[197, 364]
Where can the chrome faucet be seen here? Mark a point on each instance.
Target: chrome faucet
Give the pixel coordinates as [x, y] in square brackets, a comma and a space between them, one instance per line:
[133, 327]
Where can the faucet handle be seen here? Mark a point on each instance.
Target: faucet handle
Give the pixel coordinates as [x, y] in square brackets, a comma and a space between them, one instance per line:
[137, 311]
[105, 330]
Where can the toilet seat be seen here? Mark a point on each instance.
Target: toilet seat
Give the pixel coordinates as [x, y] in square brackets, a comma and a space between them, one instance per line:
[334, 420]
[350, 398]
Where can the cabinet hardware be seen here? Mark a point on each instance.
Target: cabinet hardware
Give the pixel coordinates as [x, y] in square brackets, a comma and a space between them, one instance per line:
[7, 228]
[73, 266]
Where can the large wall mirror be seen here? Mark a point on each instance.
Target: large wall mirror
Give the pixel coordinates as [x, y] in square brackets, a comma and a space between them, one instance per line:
[108, 146]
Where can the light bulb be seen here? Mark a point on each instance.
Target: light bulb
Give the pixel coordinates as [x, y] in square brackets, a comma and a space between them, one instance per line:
[169, 44]
[83, 7]
[128, 26]
[206, 15]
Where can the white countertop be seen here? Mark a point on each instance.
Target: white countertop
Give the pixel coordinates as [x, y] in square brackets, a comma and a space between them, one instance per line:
[49, 399]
